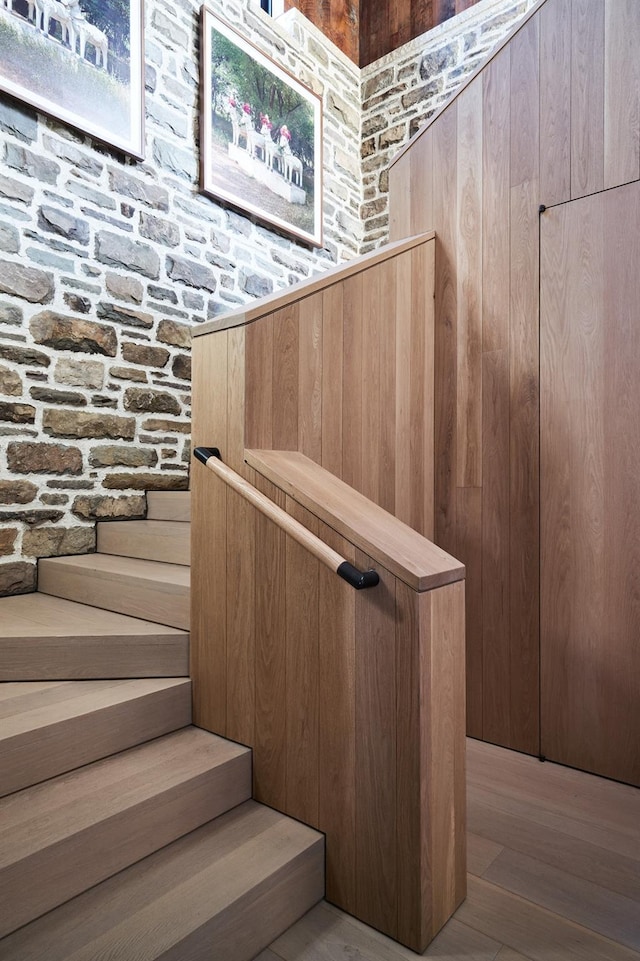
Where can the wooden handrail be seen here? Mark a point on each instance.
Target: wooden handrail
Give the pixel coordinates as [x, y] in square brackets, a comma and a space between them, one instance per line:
[210, 457]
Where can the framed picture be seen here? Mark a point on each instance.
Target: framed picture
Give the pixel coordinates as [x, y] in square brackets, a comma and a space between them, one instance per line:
[261, 134]
[80, 61]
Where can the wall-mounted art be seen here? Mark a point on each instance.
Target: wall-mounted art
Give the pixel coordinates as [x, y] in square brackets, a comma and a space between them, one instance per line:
[261, 134]
[80, 61]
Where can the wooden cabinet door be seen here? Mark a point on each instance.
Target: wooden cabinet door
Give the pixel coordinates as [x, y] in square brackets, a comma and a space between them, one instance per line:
[590, 483]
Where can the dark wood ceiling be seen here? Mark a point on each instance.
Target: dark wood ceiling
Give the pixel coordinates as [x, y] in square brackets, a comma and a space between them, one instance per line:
[366, 30]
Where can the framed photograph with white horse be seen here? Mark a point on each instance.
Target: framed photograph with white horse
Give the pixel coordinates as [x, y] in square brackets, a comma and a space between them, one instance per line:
[80, 61]
[261, 134]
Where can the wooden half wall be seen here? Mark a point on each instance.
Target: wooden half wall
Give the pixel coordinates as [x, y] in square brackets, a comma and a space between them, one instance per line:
[553, 116]
[352, 701]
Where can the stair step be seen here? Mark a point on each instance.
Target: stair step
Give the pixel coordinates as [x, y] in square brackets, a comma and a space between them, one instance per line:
[59, 838]
[169, 505]
[152, 590]
[167, 541]
[47, 728]
[222, 893]
[45, 638]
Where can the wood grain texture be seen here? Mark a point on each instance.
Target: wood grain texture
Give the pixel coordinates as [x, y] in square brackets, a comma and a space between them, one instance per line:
[555, 102]
[525, 104]
[352, 393]
[587, 97]
[621, 93]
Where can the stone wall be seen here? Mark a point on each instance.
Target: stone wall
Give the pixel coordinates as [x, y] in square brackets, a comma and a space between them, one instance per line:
[402, 90]
[107, 263]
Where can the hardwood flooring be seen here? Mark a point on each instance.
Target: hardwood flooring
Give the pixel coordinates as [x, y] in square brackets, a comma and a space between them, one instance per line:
[554, 874]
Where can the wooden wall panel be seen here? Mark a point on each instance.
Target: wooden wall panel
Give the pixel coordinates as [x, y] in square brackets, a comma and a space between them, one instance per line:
[311, 363]
[352, 389]
[555, 102]
[387, 389]
[372, 413]
[239, 689]
[285, 384]
[587, 97]
[333, 324]
[259, 385]
[621, 92]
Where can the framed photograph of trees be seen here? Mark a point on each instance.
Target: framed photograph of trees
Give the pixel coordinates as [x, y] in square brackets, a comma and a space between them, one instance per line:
[80, 61]
[261, 134]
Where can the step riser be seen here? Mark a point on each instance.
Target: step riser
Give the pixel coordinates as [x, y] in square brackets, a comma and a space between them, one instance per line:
[169, 505]
[36, 755]
[167, 541]
[138, 597]
[47, 879]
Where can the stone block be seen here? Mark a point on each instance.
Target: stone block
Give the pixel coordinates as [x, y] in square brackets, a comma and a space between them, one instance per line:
[38, 168]
[17, 492]
[82, 305]
[117, 251]
[143, 354]
[105, 507]
[17, 578]
[148, 482]
[177, 426]
[15, 190]
[79, 159]
[169, 29]
[80, 373]
[8, 537]
[10, 315]
[97, 197]
[140, 400]
[121, 182]
[124, 288]
[121, 455]
[178, 335]
[28, 283]
[177, 161]
[128, 373]
[123, 315]
[49, 396]
[160, 231]
[73, 333]
[24, 355]
[181, 367]
[190, 272]
[72, 423]
[10, 382]
[58, 541]
[41, 458]
[255, 284]
[33, 517]
[60, 222]
[17, 413]
[18, 121]
[9, 239]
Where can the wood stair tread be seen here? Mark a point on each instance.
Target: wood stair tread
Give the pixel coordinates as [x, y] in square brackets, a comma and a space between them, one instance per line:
[43, 637]
[190, 899]
[61, 837]
[152, 590]
[160, 540]
[51, 727]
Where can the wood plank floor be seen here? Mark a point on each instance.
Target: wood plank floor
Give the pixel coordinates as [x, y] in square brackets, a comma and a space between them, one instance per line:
[554, 875]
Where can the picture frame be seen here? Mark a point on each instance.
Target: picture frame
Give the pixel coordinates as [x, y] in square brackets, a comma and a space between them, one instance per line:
[78, 61]
[261, 134]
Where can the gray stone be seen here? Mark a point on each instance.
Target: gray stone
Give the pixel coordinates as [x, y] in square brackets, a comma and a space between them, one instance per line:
[9, 239]
[37, 458]
[100, 507]
[150, 401]
[76, 373]
[192, 300]
[420, 95]
[125, 288]
[161, 231]
[49, 396]
[29, 283]
[255, 284]
[38, 168]
[75, 302]
[94, 196]
[162, 293]
[18, 121]
[24, 355]
[46, 259]
[10, 314]
[10, 382]
[177, 335]
[122, 252]
[17, 578]
[58, 541]
[377, 83]
[17, 413]
[60, 222]
[80, 160]
[123, 315]
[33, 516]
[440, 60]
[67, 423]
[180, 162]
[14, 190]
[190, 272]
[169, 29]
[128, 373]
[17, 492]
[150, 194]
[171, 120]
[73, 333]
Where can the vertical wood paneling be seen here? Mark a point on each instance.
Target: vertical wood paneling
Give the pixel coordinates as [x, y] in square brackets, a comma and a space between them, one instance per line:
[496, 146]
[469, 288]
[469, 533]
[269, 761]
[496, 654]
[285, 378]
[302, 663]
[352, 390]
[587, 97]
[621, 92]
[524, 470]
[525, 104]
[310, 376]
[408, 349]
[445, 223]
[208, 645]
[240, 617]
[423, 378]
[259, 384]
[375, 671]
[233, 450]
[387, 397]
[400, 210]
[337, 726]
[555, 102]
[372, 321]
[332, 305]
[421, 186]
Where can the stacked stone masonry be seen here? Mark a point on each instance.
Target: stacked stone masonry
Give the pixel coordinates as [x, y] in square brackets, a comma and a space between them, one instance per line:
[106, 264]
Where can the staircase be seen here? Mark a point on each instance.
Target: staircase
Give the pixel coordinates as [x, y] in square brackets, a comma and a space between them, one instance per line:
[126, 833]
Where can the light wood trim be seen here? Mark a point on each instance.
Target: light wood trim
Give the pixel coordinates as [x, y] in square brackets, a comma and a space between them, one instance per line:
[411, 557]
[288, 524]
[283, 299]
